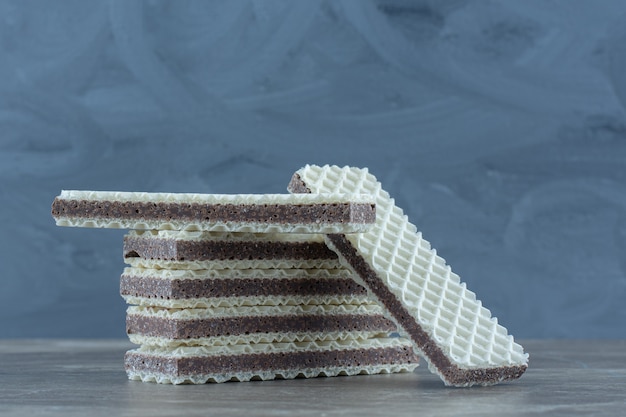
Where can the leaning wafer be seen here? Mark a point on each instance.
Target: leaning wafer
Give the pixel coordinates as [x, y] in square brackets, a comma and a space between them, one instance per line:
[458, 337]
[267, 361]
[261, 213]
[255, 324]
[216, 250]
[240, 287]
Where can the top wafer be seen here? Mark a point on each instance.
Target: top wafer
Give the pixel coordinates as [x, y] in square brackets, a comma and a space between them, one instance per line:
[456, 335]
[257, 213]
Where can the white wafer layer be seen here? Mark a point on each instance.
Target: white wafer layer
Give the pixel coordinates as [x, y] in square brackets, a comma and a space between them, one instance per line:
[185, 198]
[231, 273]
[270, 224]
[316, 345]
[284, 300]
[227, 236]
[434, 295]
[273, 372]
[257, 310]
[267, 264]
[255, 338]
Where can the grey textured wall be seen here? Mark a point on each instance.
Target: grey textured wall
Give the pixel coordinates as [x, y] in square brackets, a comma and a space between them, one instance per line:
[499, 127]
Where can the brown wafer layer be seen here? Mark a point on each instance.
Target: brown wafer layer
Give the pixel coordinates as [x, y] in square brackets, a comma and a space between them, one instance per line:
[236, 287]
[215, 287]
[217, 247]
[250, 324]
[221, 212]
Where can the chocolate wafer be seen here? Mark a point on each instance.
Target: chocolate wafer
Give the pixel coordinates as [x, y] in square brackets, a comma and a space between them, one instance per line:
[240, 287]
[255, 324]
[215, 250]
[266, 361]
[261, 213]
[457, 336]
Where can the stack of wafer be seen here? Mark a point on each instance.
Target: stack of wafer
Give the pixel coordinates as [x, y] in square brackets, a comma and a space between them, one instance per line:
[241, 287]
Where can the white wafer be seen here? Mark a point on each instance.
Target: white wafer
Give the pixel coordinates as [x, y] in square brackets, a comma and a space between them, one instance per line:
[240, 287]
[267, 361]
[255, 324]
[137, 262]
[463, 344]
[258, 213]
[214, 250]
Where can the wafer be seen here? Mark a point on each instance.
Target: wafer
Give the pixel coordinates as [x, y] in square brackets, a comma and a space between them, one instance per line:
[262, 213]
[216, 250]
[255, 324]
[239, 287]
[266, 361]
[457, 336]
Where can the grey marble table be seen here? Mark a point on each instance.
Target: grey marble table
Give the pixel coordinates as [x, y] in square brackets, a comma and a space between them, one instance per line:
[86, 377]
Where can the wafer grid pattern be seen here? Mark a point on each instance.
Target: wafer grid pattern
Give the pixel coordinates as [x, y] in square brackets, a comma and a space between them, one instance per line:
[441, 304]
